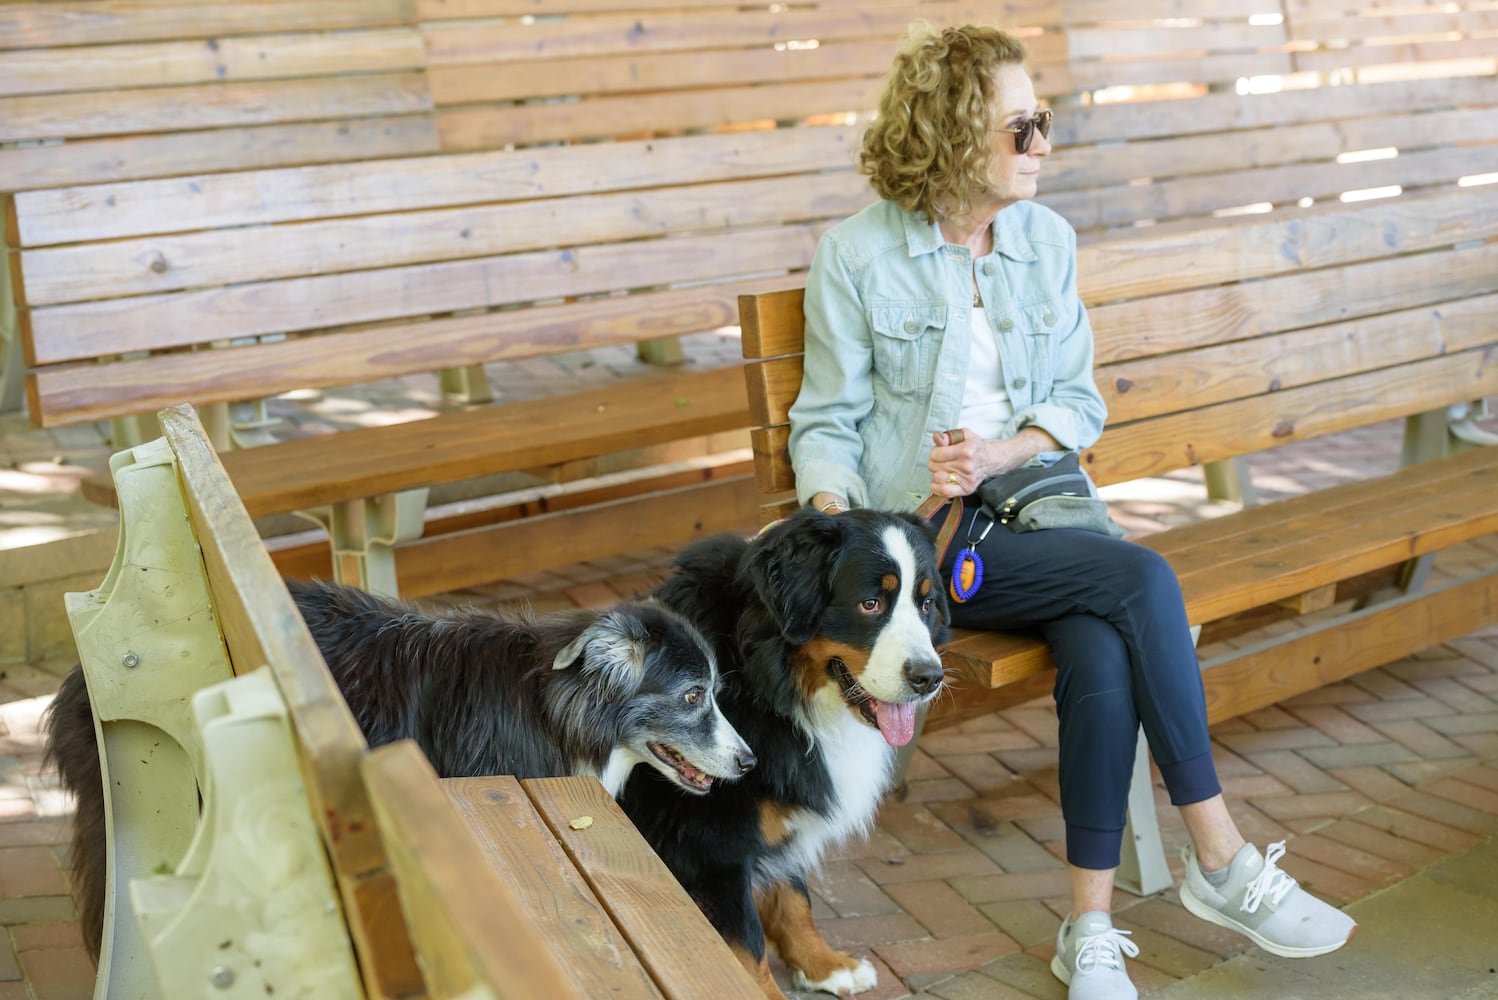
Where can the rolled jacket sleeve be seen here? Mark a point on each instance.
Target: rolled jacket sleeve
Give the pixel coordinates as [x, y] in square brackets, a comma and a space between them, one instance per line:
[837, 390]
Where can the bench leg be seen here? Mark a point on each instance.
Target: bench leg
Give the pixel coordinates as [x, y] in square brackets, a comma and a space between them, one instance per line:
[250, 423]
[147, 640]
[466, 385]
[12, 371]
[364, 534]
[1230, 479]
[663, 352]
[251, 908]
[1142, 869]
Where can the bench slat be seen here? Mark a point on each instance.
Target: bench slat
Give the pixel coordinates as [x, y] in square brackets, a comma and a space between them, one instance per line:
[166, 263]
[1200, 196]
[1181, 321]
[685, 955]
[85, 330]
[1130, 266]
[1353, 27]
[93, 392]
[1187, 69]
[112, 211]
[98, 160]
[1210, 36]
[1260, 676]
[1151, 387]
[666, 518]
[252, 57]
[309, 472]
[554, 898]
[175, 109]
[601, 117]
[1085, 167]
[1153, 120]
[464, 919]
[611, 34]
[34, 25]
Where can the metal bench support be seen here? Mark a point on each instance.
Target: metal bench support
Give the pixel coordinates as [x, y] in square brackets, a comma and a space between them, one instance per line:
[364, 534]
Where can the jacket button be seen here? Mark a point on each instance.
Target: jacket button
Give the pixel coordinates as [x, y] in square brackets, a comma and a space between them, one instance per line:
[1006, 325]
[1018, 383]
[910, 324]
[988, 267]
[1048, 318]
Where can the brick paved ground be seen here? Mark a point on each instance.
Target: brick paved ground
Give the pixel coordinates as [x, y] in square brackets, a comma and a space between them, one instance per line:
[958, 892]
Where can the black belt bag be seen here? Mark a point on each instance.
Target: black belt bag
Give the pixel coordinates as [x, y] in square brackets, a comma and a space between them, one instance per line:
[1037, 496]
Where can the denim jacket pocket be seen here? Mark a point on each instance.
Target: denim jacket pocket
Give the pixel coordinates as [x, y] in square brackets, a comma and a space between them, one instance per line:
[907, 339]
[1041, 324]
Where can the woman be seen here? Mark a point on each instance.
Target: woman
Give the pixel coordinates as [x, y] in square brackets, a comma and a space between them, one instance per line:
[952, 303]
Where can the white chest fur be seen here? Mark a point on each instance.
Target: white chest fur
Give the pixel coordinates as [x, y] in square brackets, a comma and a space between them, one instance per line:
[858, 763]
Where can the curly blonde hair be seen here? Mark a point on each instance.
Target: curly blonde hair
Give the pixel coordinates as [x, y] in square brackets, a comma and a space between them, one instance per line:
[928, 151]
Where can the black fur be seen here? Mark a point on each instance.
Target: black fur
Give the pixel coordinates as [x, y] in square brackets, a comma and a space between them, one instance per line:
[760, 603]
[74, 751]
[481, 693]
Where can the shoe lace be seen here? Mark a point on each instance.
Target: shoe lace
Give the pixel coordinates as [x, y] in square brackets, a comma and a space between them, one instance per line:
[1102, 949]
[1271, 883]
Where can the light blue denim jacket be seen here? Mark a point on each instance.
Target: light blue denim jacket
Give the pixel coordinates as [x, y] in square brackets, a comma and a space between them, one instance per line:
[888, 328]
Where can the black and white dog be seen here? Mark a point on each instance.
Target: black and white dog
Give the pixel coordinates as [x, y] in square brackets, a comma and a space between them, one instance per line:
[826, 629]
[573, 693]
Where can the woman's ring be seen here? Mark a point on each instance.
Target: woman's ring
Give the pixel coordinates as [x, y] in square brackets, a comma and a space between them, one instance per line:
[952, 478]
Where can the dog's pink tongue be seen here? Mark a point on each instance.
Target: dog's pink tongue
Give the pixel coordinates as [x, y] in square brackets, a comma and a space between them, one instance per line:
[896, 722]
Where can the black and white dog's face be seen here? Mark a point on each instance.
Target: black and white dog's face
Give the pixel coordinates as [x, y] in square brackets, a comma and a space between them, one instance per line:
[859, 595]
[655, 670]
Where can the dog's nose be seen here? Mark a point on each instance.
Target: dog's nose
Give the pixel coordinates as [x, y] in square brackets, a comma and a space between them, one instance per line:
[923, 677]
[745, 761]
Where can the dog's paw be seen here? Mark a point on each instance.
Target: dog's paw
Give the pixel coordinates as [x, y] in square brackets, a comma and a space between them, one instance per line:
[842, 982]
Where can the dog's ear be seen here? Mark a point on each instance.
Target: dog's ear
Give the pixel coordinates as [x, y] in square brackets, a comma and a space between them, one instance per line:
[613, 648]
[788, 567]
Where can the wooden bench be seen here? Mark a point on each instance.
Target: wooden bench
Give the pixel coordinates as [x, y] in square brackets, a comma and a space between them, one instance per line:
[1219, 340]
[314, 863]
[91, 94]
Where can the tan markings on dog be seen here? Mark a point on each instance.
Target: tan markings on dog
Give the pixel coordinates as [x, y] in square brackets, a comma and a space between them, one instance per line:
[760, 970]
[786, 916]
[810, 663]
[889, 582]
[774, 822]
[925, 587]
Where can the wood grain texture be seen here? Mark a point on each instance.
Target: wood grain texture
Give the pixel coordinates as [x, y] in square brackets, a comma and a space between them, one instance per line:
[93, 161]
[63, 395]
[470, 930]
[203, 106]
[553, 897]
[88, 22]
[112, 211]
[685, 956]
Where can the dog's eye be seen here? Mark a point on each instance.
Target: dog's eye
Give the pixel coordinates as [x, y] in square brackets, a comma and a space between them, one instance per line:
[871, 605]
[694, 696]
[926, 606]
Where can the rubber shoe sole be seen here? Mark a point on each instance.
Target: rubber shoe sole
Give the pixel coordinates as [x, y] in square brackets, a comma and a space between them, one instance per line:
[1211, 915]
[1059, 970]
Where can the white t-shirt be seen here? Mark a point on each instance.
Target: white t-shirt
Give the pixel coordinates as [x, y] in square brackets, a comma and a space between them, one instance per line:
[985, 402]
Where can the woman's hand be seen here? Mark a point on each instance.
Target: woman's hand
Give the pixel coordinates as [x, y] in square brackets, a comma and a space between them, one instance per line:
[961, 460]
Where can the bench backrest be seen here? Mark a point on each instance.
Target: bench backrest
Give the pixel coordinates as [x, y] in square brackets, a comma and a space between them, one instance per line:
[1219, 340]
[95, 92]
[483, 940]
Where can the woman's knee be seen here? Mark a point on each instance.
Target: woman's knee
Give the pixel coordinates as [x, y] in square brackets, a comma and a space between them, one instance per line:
[1154, 578]
[1091, 657]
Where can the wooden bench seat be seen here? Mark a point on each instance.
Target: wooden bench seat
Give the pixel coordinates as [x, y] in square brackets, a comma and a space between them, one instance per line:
[448, 889]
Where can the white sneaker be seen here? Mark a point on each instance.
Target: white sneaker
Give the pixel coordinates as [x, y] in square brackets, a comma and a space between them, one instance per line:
[1089, 958]
[1266, 905]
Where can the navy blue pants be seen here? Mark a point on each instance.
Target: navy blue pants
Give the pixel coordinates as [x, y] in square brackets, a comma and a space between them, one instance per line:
[1114, 618]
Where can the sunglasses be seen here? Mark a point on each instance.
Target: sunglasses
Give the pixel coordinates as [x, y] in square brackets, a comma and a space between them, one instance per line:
[1025, 131]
